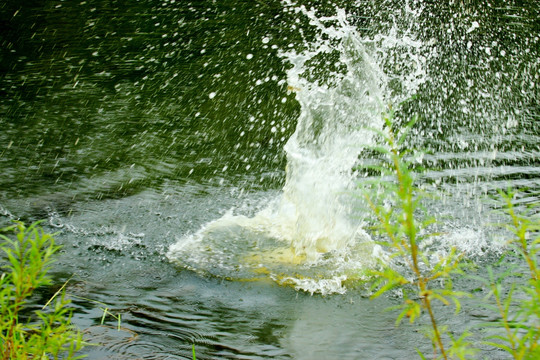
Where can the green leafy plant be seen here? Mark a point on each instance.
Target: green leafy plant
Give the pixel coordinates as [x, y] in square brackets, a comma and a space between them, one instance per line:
[24, 333]
[519, 306]
[396, 203]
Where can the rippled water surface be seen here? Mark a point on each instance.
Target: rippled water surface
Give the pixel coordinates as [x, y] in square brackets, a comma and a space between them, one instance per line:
[196, 159]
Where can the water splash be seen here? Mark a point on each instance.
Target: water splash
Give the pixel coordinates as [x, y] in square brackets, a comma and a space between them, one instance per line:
[331, 130]
[310, 237]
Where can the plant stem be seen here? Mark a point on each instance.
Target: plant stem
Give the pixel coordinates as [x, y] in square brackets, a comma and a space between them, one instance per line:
[427, 304]
[406, 195]
[504, 318]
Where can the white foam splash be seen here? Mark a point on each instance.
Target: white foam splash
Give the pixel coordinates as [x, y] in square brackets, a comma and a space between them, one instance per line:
[333, 285]
[315, 215]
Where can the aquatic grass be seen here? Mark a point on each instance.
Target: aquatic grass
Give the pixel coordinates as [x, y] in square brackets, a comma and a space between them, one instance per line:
[105, 309]
[401, 225]
[39, 334]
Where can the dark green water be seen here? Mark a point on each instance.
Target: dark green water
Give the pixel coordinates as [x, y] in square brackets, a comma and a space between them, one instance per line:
[128, 125]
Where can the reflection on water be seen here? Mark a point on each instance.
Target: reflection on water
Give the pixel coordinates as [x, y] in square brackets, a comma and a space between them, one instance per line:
[103, 99]
[131, 125]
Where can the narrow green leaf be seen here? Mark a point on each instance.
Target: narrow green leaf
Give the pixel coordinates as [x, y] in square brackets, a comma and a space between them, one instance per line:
[499, 346]
[420, 354]
[405, 132]
[105, 312]
[57, 292]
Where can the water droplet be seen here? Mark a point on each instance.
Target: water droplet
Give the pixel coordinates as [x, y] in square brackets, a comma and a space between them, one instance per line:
[474, 25]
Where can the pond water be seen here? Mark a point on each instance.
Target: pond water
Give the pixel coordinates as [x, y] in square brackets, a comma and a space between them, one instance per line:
[196, 159]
